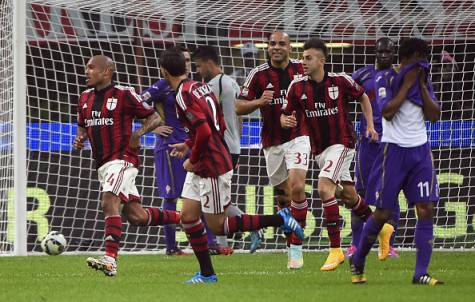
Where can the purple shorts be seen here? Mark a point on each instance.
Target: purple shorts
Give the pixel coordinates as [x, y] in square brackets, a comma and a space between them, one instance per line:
[397, 168]
[366, 154]
[169, 174]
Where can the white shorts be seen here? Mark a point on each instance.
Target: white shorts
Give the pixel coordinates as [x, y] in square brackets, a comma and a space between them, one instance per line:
[213, 193]
[290, 155]
[334, 163]
[118, 177]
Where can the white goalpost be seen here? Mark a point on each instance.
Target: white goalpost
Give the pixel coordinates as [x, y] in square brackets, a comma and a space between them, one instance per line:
[47, 185]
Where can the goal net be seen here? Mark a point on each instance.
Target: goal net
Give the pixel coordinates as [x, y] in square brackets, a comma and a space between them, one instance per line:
[62, 187]
[6, 117]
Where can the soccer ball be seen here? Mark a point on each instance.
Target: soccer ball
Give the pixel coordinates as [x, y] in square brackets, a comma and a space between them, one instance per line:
[54, 243]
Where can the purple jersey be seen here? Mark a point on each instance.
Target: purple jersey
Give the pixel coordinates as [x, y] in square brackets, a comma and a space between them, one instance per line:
[414, 94]
[365, 76]
[396, 167]
[390, 81]
[383, 86]
[162, 96]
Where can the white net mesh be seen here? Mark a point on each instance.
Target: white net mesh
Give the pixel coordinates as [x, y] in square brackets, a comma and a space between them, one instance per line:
[6, 118]
[62, 35]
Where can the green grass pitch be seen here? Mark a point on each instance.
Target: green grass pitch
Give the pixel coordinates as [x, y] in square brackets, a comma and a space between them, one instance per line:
[241, 277]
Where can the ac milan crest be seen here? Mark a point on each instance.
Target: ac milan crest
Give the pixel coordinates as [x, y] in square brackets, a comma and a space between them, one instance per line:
[333, 92]
[111, 104]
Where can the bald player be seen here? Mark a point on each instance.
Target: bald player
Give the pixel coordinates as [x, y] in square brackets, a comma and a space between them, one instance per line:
[286, 159]
[105, 115]
[367, 150]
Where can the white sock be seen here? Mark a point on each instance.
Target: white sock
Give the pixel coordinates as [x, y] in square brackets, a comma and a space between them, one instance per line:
[222, 240]
[233, 211]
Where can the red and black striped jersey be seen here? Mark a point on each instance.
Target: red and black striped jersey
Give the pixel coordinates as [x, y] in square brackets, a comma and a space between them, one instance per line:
[197, 105]
[107, 115]
[322, 109]
[267, 77]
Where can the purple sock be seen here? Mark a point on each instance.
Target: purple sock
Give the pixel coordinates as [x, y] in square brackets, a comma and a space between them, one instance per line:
[170, 229]
[394, 221]
[356, 229]
[211, 236]
[370, 232]
[423, 239]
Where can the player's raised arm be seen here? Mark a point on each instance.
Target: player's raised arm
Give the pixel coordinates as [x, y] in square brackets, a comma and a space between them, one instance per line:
[252, 97]
[368, 114]
[431, 108]
[391, 107]
[244, 107]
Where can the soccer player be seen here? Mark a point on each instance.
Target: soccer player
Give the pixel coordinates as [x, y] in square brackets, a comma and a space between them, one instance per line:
[286, 160]
[367, 150]
[226, 90]
[207, 187]
[317, 107]
[105, 115]
[405, 159]
[169, 172]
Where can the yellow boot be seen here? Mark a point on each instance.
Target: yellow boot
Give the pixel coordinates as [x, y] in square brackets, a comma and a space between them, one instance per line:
[383, 237]
[335, 258]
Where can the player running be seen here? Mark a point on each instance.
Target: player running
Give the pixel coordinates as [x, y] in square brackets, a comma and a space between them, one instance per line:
[207, 187]
[105, 115]
[317, 107]
[286, 159]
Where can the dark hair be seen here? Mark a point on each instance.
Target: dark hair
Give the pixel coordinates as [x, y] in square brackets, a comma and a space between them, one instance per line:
[173, 61]
[182, 48]
[316, 43]
[410, 46]
[206, 52]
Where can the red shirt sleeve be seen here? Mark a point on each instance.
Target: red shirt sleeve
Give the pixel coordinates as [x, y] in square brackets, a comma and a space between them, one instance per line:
[79, 111]
[191, 111]
[250, 90]
[136, 105]
[288, 108]
[351, 87]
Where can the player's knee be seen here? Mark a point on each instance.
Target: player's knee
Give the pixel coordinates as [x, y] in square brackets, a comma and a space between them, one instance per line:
[325, 192]
[187, 216]
[425, 210]
[298, 189]
[110, 204]
[381, 215]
